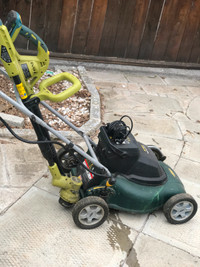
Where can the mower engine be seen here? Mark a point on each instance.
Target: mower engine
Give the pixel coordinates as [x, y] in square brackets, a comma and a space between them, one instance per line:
[119, 151]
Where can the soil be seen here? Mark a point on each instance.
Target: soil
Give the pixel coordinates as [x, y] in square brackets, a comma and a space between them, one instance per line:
[75, 109]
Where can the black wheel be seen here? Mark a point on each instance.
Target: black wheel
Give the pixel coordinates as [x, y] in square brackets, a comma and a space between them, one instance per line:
[180, 208]
[90, 212]
[68, 159]
[65, 204]
[157, 152]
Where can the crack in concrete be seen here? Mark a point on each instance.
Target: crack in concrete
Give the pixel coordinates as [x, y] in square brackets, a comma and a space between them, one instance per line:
[4, 159]
[189, 106]
[132, 252]
[124, 74]
[9, 206]
[44, 190]
[180, 156]
[131, 258]
[170, 244]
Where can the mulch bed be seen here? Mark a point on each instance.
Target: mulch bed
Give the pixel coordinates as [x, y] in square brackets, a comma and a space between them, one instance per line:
[75, 109]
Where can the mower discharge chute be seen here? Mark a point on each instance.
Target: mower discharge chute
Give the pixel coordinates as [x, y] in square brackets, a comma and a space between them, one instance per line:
[118, 172]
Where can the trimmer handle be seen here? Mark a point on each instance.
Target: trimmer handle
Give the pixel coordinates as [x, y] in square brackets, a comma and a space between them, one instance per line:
[45, 94]
[14, 25]
[25, 70]
[33, 37]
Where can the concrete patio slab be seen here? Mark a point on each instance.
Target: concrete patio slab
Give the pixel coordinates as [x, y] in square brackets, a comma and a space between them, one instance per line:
[9, 195]
[195, 91]
[107, 76]
[194, 109]
[191, 151]
[134, 221]
[23, 164]
[157, 126]
[167, 90]
[142, 104]
[185, 236]
[182, 81]
[148, 251]
[39, 232]
[190, 130]
[188, 169]
[168, 146]
[144, 79]
[45, 184]
[12, 120]
[180, 93]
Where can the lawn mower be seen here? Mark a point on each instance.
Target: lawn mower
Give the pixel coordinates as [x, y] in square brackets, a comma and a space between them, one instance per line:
[118, 172]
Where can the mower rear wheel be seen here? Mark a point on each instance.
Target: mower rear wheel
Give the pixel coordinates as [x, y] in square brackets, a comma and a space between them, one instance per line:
[90, 212]
[180, 208]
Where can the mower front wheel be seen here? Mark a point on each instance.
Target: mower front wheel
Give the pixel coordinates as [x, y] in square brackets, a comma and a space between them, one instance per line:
[90, 212]
[180, 208]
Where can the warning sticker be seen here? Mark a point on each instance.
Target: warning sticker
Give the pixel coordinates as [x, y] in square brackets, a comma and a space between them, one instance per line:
[21, 90]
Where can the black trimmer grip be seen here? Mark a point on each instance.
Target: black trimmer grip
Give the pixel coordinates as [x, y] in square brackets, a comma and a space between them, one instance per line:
[11, 19]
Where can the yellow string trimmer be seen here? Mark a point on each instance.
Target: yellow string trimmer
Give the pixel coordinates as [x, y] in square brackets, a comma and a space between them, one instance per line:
[25, 71]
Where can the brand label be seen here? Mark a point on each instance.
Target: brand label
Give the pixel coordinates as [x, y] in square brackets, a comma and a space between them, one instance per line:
[144, 148]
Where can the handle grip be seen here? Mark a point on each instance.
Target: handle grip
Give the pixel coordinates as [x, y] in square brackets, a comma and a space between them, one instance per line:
[13, 23]
[33, 37]
[45, 94]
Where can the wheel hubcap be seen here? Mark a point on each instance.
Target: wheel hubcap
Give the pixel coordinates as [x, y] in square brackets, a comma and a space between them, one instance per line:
[91, 214]
[182, 210]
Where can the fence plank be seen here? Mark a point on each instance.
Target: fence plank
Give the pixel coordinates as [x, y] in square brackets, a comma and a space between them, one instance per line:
[165, 28]
[82, 26]
[195, 54]
[178, 30]
[150, 29]
[23, 8]
[96, 27]
[124, 27]
[110, 28]
[45, 21]
[53, 21]
[190, 31]
[139, 15]
[38, 21]
[67, 25]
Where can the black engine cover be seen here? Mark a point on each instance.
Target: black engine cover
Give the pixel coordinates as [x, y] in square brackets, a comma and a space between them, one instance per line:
[132, 159]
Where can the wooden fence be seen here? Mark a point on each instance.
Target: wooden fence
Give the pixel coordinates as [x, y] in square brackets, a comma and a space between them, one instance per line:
[158, 30]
